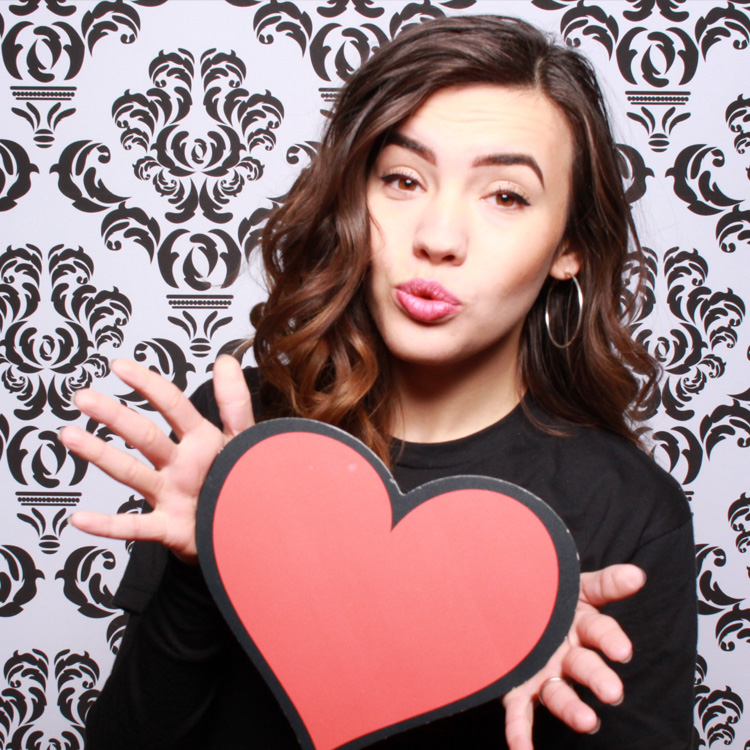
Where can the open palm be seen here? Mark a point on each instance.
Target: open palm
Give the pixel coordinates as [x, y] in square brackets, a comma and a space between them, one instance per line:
[173, 480]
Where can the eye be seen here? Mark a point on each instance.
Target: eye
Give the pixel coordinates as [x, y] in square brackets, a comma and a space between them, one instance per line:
[509, 199]
[403, 182]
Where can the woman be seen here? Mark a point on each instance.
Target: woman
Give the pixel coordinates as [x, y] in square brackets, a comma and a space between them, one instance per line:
[445, 283]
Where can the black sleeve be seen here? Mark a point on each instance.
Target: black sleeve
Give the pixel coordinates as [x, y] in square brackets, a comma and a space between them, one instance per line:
[661, 621]
[168, 666]
[164, 681]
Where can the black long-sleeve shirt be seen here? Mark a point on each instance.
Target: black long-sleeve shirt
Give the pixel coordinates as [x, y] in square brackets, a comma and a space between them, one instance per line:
[182, 681]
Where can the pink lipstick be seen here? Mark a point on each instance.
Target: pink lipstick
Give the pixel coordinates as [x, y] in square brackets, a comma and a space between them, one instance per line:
[427, 301]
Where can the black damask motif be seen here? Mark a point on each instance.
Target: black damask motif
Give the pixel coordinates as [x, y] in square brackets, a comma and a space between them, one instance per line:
[716, 711]
[658, 61]
[26, 7]
[37, 457]
[251, 228]
[634, 172]
[44, 126]
[733, 229]
[353, 47]
[205, 260]
[707, 320]
[192, 167]
[76, 677]
[592, 22]
[668, 8]
[24, 700]
[662, 58]
[15, 173]
[581, 20]
[18, 578]
[738, 121]
[694, 184]
[337, 51]
[711, 598]
[84, 585]
[43, 368]
[659, 132]
[733, 623]
[726, 420]
[42, 55]
[683, 450]
[4, 433]
[738, 516]
[83, 582]
[48, 527]
[29, 695]
[723, 23]
[188, 168]
[733, 627]
[78, 179]
[200, 335]
[365, 8]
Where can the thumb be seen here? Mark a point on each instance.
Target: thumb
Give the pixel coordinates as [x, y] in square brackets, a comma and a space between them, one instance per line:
[232, 396]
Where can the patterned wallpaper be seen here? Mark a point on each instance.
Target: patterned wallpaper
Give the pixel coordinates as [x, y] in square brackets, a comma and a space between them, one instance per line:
[142, 144]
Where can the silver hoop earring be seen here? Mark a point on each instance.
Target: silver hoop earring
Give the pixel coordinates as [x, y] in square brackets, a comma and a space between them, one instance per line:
[579, 322]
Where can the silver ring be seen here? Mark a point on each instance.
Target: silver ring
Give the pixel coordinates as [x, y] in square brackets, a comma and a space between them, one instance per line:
[544, 685]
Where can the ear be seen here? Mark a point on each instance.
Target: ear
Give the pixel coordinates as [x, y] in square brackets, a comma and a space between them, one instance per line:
[567, 263]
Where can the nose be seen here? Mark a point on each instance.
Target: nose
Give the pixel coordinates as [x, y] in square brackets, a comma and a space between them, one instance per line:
[441, 234]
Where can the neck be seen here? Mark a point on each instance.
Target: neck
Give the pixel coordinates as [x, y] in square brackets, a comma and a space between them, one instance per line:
[437, 404]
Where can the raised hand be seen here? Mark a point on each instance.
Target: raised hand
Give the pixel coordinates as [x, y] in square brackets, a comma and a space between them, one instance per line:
[577, 659]
[172, 482]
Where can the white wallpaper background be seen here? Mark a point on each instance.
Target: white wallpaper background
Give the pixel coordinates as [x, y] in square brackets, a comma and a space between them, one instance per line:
[142, 142]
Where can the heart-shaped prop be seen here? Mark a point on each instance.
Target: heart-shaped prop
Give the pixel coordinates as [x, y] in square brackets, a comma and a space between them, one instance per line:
[369, 611]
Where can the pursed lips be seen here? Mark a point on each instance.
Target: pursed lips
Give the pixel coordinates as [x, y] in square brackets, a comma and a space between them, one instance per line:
[427, 301]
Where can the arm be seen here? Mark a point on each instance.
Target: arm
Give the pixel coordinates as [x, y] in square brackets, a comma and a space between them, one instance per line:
[165, 678]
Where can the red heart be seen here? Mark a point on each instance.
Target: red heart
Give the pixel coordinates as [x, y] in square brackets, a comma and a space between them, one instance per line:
[369, 611]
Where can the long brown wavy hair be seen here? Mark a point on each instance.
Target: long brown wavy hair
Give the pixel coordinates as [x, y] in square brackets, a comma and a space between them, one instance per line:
[319, 353]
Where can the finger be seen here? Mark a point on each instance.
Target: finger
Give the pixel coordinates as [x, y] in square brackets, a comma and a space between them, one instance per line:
[113, 461]
[232, 396]
[136, 429]
[138, 527]
[164, 396]
[588, 668]
[562, 701]
[611, 584]
[602, 632]
[519, 720]
[120, 526]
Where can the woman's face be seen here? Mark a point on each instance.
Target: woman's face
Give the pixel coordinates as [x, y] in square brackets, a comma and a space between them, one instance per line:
[468, 202]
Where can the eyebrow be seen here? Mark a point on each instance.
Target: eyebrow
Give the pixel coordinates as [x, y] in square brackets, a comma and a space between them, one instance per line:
[398, 139]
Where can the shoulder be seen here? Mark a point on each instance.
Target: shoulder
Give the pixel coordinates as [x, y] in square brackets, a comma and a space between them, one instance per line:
[612, 494]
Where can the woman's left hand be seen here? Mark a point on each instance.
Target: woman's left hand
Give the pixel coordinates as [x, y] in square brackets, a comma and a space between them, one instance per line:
[577, 659]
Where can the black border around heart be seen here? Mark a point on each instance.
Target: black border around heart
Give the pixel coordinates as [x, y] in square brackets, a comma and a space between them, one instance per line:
[401, 505]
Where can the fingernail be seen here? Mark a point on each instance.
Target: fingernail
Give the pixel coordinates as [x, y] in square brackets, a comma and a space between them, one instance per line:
[619, 701]
[597, 727]
[628, 659]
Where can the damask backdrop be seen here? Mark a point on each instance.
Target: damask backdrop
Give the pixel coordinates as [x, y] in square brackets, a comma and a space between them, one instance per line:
[142, 144]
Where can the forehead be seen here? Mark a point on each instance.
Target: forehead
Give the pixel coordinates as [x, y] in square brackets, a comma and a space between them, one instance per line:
[480, 119]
